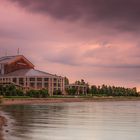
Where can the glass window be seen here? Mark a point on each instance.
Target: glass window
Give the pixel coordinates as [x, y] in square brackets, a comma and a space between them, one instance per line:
[14, 80]
[46, 84]
[54, 84]
[32, 79]
[46, 79]
[55, 79]
[39, 79]
[39, 85]
[32, 85]
[21, 81]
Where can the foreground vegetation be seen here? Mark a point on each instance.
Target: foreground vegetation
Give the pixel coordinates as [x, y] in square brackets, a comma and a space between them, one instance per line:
[105, 90]
[10, 91]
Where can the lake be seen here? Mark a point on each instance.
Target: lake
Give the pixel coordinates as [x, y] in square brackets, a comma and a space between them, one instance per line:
[108, 120]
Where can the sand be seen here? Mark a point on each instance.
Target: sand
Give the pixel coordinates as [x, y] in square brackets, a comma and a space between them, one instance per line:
[3, 122]
[62, 100]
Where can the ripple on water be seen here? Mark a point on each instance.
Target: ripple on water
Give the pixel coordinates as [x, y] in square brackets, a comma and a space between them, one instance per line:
[75, 121]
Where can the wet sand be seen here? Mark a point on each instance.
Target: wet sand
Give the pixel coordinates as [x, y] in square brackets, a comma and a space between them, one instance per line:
[3, 122]
[62, 100]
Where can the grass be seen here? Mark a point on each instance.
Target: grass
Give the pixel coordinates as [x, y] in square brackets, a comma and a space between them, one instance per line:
[79, 96]
[17, 97]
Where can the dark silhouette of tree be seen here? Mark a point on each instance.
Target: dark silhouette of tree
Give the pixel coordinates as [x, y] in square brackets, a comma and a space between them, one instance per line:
[105, 90]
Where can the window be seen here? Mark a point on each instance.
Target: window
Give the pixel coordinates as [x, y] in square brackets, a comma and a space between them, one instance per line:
[32, 79]
[54, 84]
[39, 79]
[39, 85]
[46, 79]
[32, 85]
[21, 81]
[46, 85]
[14, 80]
[55, 79]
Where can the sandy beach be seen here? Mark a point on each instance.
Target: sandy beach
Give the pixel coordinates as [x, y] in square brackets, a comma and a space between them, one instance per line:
[17, 101]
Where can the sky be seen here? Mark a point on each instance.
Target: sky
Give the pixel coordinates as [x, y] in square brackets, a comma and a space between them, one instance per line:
[95, 40]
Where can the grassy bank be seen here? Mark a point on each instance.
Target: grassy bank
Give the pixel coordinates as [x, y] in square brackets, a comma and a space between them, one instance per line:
[58, 99]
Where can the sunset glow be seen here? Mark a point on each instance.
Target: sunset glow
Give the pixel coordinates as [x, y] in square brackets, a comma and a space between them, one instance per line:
[79, 39]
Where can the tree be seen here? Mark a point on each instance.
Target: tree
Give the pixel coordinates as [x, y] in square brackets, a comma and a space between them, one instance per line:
[10, 90]
[33, 93]
[66, 81]
[57, 92]
[113, 91]
[71, 91]
[1, 89]
[94, 90]
[44, 93]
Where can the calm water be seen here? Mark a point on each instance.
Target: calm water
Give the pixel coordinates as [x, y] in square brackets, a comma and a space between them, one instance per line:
[75, 121]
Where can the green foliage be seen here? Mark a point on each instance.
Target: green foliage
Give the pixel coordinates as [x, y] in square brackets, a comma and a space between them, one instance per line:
[38, 93]
[10, 90]
[66, 81]
[1, 90]
[105, 90]
[71, 91]
[16, 97]
[44, 93]
[57, 92]
[19, 92]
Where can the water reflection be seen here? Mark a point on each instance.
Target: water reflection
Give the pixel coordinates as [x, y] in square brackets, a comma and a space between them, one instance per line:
[75, 121]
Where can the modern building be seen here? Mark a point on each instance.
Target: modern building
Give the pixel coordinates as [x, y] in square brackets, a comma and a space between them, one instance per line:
[80, 87]
[19, 71]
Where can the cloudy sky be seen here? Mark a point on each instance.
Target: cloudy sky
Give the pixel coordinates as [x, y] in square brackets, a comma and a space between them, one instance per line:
[95, 40]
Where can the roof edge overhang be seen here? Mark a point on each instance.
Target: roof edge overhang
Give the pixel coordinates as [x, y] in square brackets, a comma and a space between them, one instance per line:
[22, 56]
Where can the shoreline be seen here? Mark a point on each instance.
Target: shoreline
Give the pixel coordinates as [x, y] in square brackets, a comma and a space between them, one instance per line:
[28, 101]
[4, 121]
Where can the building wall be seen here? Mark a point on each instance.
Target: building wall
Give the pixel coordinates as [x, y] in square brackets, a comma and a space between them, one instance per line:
[36, 83]
[52, 82]
[80, 89]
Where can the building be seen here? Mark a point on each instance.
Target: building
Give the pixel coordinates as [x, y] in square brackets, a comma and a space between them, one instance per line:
[19, 71]
[79, 87]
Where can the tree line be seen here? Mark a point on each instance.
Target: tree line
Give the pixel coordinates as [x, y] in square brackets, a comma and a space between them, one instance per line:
[105, 90]
[11, 90]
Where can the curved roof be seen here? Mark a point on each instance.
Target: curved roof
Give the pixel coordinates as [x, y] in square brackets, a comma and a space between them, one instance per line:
[11, 59]
[29, 73]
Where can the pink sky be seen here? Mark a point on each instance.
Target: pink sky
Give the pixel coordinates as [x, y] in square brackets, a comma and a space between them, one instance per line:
[71, 39]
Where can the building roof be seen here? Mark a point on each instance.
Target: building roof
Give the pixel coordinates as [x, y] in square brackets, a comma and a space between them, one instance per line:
[11, 59]
[29, 73]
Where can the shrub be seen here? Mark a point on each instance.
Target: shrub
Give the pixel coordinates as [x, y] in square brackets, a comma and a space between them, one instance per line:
[38, 93]
[57, 92]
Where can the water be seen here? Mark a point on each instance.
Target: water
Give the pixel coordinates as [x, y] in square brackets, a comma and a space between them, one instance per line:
[75, 121]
